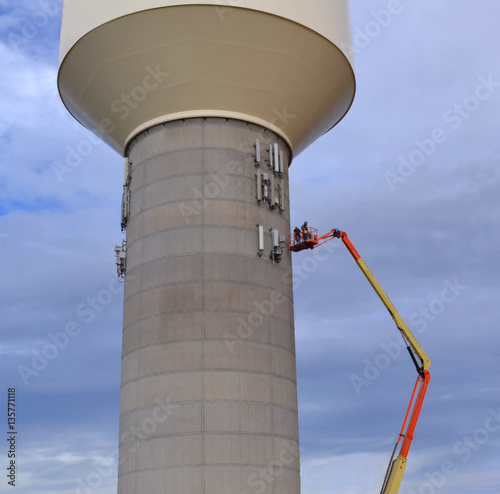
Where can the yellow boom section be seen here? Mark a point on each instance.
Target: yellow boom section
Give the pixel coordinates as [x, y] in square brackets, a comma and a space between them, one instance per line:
[396, 468]
[426, 363]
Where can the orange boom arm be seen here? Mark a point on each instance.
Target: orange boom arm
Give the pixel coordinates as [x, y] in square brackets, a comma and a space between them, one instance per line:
[396, 469]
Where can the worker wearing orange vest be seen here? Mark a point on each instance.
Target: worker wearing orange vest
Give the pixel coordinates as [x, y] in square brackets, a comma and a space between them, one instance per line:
[305, 231]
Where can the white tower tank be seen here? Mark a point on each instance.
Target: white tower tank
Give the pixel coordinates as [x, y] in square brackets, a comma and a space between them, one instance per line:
[127, 65]
[208, 101]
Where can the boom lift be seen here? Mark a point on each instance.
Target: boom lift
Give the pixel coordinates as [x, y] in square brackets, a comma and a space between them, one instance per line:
[396, 468]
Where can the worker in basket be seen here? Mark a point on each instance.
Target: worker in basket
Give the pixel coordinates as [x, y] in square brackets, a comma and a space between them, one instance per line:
[297, 234]
[305, 231]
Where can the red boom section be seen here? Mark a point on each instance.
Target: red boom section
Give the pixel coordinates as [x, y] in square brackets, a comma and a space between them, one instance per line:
[297, 244]
[408, 436]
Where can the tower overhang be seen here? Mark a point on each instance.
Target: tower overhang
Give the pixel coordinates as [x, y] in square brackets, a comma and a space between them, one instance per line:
[127, 66]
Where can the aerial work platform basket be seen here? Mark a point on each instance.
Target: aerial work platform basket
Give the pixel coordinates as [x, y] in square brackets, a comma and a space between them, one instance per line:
[298, 242]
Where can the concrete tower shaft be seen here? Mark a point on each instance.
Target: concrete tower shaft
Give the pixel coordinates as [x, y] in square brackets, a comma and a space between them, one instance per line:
[208, 323]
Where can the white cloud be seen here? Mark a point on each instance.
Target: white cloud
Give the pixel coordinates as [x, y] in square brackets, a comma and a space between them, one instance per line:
[343, 474]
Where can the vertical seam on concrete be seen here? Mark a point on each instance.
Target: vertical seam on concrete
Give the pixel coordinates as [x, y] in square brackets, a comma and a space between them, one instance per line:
[203, 183]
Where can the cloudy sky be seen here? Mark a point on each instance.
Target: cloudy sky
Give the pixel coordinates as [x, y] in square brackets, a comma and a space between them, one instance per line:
[412, 173]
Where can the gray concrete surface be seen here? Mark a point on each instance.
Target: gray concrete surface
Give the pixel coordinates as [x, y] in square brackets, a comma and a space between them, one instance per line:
[209, 395]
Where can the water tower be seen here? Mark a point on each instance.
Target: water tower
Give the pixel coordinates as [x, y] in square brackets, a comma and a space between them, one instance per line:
[208, 101]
